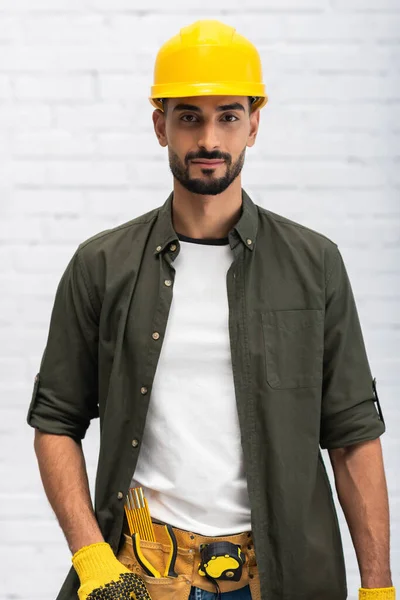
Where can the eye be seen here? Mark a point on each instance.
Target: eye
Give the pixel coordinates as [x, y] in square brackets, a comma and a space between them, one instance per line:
[184, 116]
[234, 116]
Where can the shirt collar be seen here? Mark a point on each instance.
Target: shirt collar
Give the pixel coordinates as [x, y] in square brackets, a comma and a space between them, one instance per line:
[245, 230]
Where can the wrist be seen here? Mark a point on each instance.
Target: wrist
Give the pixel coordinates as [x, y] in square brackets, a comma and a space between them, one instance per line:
[86, 540]
[376, 580]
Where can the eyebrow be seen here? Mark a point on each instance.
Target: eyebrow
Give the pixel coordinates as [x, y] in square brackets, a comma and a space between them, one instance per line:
[233, 106]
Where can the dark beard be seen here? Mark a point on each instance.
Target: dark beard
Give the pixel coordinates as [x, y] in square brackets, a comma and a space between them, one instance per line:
[210, 185]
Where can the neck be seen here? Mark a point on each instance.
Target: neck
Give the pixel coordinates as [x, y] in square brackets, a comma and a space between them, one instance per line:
[198, 216]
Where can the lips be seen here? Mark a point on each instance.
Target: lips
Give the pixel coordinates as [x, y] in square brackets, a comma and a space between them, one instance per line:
[208, 162]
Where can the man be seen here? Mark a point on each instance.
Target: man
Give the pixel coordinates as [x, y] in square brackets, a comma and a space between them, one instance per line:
[240, 325]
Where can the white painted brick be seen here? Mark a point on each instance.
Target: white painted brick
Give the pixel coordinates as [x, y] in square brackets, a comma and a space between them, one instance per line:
[318, 174]
[327, 145]
[39, 259]
[47, 202]
[373, 117]
[10, 28]
[25, 338]
[110, 203]
[75, 230]
[23, 6]
[328, 203]
[68, 58]
[365, 5]
[128, 144]
[17, 230]
[67, 28]
[31, 557]
[328, 27]
[5, 88]
[95, 117]
[53, 143]
[12, 368]
[70, 173]
[34, 311]
[17, 394]
[326, 58]
[49, 87]
[341, 88]
[118, 87]
[180, 6]
[16, 116]
[394, 175]
[32, 284]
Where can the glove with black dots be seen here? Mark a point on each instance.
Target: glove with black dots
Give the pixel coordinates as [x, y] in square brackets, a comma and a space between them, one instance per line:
[103, 577]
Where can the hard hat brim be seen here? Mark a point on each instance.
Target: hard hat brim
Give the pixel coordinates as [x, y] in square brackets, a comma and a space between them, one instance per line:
[196, 90]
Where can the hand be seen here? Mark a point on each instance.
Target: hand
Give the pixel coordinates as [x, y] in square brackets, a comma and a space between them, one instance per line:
[103, 577]
[387, 593]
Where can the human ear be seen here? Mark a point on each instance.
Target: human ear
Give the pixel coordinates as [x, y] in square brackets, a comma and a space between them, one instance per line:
[254, 124]
[159, 126]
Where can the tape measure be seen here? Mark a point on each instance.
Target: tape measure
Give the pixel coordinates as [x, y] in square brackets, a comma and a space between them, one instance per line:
[221, 560]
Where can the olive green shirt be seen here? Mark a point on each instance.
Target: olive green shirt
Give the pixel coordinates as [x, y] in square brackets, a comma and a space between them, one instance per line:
[301, 376]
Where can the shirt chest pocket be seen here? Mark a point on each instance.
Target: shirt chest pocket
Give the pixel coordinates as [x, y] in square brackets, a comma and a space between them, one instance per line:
[293, 343]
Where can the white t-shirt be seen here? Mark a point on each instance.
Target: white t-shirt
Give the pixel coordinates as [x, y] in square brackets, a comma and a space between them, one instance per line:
[190, 464]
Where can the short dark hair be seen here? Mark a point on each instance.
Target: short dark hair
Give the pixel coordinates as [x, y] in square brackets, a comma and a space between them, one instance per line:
[165, 103]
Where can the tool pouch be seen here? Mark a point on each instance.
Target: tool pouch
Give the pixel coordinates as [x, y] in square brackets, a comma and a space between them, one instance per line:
[188, 560]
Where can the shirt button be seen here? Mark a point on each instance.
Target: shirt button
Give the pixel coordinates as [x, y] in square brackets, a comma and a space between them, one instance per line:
[168, 282]
[155, 335]
[158, 248]
[135, 443]
[172, 247]
[120, 495]
[143, 390]
[249, 241]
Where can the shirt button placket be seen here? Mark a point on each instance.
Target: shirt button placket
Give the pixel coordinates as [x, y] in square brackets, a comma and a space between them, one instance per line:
[156, 336]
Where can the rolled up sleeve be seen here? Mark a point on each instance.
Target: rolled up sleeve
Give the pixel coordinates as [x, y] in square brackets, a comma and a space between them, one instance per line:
[65, 393]
[348, 413]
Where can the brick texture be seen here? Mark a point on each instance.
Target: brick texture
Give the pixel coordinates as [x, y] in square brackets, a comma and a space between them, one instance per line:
[78, 155]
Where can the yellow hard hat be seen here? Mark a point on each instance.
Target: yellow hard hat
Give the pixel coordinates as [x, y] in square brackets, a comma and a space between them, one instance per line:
[208, 58]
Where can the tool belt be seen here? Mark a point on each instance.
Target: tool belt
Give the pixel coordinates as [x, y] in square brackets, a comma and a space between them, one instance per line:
[215, 564]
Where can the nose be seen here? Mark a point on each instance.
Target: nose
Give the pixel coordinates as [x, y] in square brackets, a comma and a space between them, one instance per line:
[208, 139]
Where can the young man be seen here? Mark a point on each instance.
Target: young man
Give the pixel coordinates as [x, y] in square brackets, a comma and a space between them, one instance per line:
[219, 343]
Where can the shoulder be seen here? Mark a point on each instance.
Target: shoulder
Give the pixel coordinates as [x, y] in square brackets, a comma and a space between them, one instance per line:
[293, 229]
[117, 239]
[307, 241]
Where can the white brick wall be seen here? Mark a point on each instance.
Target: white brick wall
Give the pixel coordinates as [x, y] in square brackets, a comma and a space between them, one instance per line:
[78, 155]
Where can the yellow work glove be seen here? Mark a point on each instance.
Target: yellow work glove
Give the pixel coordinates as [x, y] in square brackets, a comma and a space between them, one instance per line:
[388, 593]
[104, 577]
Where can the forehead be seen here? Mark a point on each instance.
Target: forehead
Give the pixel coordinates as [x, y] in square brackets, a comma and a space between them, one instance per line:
[208, 103]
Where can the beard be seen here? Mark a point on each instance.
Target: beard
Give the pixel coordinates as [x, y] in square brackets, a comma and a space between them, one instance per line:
[209, 184]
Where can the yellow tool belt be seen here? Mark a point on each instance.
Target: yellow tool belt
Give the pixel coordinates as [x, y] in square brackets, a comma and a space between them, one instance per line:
[233, 567]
